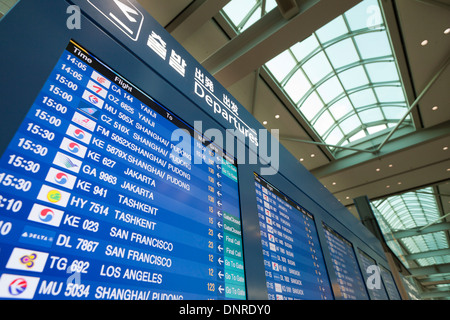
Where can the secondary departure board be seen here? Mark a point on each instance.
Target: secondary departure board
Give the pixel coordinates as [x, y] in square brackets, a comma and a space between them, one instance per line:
[293, 260]
[389, 283]
[105, 194]
[372, 276]
[345, 266]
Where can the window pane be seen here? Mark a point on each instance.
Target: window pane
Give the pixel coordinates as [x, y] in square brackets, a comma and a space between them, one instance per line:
[297, 86]
[390, 94]
[394, 112]
[323, 123]
[237, 10]
[311, 106]
[341, 108]
[330, 89]
[281, 65]
[382, 71]
[371, 115]
[365, 15]
[363, 98]
[332, 30]
[342, 53]
[357, 136]
[376, 129]
[353, 78]
[304, 48]
[374, 44]
[335, 136]
[350, 124]
[317, 67]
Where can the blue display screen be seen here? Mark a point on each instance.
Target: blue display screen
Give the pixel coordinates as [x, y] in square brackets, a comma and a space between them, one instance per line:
[293, 260]
[105, 194]
[372, 276]
[389, 284]
[345, 265]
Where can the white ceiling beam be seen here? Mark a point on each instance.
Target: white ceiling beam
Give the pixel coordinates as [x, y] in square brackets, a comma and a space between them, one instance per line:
[269, 37]
[194, 17]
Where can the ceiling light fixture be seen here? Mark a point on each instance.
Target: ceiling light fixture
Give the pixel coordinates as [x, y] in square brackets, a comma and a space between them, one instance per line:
[445, 148]
[424, 43]
[377, 169]
[313, 155]
[264, 122]
[334, 183]
[447, 31]
[301, 159]
[435, 108]
[277, 116]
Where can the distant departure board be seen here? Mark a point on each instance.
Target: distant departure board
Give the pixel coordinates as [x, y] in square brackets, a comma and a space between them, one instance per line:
[389, 284]
[98, 200]
[293, 260]
[372, 276]
[345, 266]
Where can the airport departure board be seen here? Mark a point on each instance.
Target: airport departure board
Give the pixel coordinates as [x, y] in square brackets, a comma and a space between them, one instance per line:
[372, 276]
[98, 200]
[293, 260]
[345, 265]
[389, 284]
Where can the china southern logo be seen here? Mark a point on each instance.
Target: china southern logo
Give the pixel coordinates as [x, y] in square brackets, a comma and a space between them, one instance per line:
[123, 14]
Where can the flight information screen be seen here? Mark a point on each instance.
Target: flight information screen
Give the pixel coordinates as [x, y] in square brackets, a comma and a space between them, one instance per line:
[372, 276]
[105, 194]
[293, 260]
[389, 283]
[345, 266]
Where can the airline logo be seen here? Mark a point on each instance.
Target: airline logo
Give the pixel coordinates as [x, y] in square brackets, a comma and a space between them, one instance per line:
[67, 162]
[84, 121]
[79, 134]
[272, 247]
[46, 215]
[53, 196]
[28, 260]
[18, 287]
[101, 79]
[275, 266]
[37, 237]
[123, 14]
[93, 99]
[94, 87]
[266, 197]
[61, 178]
[73, 147]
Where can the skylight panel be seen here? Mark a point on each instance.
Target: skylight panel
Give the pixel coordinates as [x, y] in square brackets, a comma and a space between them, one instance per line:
[342, 53]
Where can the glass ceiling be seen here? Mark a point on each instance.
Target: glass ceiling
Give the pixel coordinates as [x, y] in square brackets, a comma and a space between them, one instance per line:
[243, 13]
[343, 79]
[412, 210]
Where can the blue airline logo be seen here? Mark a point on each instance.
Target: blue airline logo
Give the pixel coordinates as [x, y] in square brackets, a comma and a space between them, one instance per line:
[123, 14]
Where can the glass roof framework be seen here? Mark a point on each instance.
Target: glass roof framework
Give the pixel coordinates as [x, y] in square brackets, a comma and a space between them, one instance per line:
[344, 78]
[244, 13]
[407, 211]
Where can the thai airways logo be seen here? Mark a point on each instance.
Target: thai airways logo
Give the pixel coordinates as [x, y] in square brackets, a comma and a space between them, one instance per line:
[27, 260]
[45, 215]
[123, 14]
[18, 287]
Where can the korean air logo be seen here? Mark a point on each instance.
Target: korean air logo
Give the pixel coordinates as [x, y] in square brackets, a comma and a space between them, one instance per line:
[74, 147]
[79, 134]
[46, 215]
[123, 14]
[61, 178]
